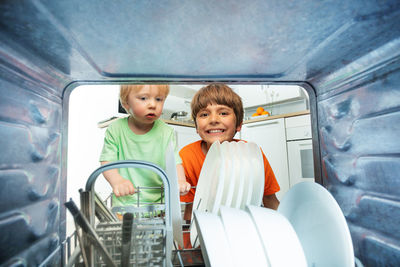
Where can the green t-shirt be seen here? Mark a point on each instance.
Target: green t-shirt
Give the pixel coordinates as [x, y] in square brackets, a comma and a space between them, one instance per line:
[120, 143]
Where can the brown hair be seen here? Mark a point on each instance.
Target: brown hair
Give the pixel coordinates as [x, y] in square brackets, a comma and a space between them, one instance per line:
[126, 89]
[217, 93]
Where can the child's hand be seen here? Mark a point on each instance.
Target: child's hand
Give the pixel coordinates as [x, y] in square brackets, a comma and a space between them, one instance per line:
[184, 187]
[123, 187]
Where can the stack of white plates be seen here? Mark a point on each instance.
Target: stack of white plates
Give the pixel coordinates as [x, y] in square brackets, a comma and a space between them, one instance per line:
[308, 229]
[232, 175]
[254, 237]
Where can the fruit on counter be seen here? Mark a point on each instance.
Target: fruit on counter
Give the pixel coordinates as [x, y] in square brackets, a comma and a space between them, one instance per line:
[259, 110]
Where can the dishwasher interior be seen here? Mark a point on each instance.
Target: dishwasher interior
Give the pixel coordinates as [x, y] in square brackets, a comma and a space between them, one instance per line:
[346, 54]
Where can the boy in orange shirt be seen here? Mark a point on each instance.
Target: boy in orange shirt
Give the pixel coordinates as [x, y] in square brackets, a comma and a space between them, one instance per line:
[218, 114]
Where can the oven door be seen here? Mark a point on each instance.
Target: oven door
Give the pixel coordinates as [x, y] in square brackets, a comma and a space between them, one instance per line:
[300, 158]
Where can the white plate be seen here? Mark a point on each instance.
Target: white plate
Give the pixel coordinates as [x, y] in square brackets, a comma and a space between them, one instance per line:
[281, 243]
[214, 243]
[240, 170]
[320, 225]
[248, 178]
[257, 164]
[217, 185]
[203, 184]
[245, 244]
[209, 188]
[229, 181]
[176, 216]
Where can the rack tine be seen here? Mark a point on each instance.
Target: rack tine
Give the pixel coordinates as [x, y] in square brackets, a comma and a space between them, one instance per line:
[80, 219]
[126, 239]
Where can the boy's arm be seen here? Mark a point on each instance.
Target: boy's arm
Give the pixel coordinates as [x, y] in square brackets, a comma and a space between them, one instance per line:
[120, 186]
[271, 201]
[184, 186]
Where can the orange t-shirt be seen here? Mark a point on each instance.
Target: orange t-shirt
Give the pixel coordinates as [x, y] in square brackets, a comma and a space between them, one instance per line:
[193, 158]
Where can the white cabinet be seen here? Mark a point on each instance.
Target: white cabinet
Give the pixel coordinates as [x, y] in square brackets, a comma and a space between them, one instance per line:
[260, 95]
[252, 95]
[300, 158]
[300, 152]
[298, 127]
[282, 93]
[185, 135]
[270, 136]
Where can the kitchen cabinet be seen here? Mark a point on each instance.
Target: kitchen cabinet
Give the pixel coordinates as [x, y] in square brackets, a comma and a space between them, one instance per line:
[261, 95]
[282, 93]
[270, 136]
[299, 147]
[185, 135]
[252, 95]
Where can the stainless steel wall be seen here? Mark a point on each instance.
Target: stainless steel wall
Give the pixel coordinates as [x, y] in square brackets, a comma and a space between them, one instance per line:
[359, 123]
[347, 52]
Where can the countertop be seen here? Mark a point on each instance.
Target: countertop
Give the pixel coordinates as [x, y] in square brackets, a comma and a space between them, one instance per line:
[286, 115]
[253, 119]
[180, 123]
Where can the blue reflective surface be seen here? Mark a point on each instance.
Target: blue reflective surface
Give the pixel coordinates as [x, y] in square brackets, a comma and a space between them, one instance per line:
[346, 52]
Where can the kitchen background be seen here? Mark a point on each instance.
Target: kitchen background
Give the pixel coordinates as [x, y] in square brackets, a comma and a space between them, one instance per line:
[92, 108]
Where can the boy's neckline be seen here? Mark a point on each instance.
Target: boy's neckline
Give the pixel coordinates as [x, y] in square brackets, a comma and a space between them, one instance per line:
[203, 146]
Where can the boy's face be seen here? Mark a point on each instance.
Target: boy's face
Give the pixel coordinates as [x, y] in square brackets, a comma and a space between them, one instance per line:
[146, 104]
[216, 122]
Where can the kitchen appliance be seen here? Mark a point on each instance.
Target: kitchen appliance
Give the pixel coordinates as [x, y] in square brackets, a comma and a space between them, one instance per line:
[346, 54]
[299, 149]
[178, 115]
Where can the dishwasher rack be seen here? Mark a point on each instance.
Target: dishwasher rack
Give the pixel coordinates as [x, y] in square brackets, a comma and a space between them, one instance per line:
[151, 239]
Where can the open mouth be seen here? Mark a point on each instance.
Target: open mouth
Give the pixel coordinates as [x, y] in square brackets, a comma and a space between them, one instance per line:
[214, 131]
[151, 115]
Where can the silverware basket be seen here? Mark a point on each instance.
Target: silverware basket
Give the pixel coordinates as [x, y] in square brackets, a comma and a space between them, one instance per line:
[151, 239]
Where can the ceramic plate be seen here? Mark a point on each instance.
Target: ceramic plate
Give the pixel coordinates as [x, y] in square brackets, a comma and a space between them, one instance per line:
[217, 185]
[214, 243]
[170, 170]
[248, 177]
[240, 170]
[320, 225]
[229, 166]
[281, 244]
[206, 173]
[257, 165]
[208, 189]
[210, 200]
[245, 244]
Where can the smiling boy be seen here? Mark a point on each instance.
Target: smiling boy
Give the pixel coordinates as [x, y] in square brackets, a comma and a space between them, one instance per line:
[218, 114]
[140, 136]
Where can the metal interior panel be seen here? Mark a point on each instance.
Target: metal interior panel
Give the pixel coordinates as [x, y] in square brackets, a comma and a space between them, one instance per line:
[346, 53]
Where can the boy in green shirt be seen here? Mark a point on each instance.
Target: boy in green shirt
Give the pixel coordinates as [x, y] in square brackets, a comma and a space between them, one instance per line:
[141, 136]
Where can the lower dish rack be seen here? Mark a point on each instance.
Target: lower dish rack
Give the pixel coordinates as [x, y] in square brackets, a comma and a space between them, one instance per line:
[148, 245]
[151, 241]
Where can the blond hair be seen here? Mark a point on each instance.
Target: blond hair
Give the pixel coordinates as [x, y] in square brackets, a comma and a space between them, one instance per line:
[220, 94]
[126, 89]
